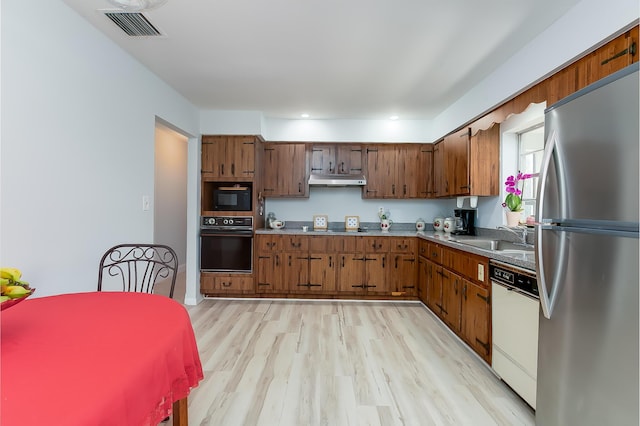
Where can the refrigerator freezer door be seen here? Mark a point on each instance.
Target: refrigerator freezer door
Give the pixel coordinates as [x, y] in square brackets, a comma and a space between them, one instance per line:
[588, 350]
[592, 173]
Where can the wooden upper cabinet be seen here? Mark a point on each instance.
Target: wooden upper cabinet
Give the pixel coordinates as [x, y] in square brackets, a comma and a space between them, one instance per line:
[467, 165]
[228, 156]
[380, 171]
[331, 159]
[400, 171]
[285, 170]
[484, 162]
[612, 57]
[439, 178]
[456, 148]
[407, 171]
[424, 173]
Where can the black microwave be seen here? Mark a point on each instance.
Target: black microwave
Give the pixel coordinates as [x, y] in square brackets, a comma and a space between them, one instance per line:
[232, 198]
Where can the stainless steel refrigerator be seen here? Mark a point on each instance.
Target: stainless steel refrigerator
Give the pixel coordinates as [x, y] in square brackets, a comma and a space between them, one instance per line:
[587, 257]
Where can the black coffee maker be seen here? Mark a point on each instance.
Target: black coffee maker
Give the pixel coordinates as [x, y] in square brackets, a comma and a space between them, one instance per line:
[465, 221]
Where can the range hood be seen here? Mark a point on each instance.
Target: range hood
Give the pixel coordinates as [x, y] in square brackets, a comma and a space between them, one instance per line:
[337, 180]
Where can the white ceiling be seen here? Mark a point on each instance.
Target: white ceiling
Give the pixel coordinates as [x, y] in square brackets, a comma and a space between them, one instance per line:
[357, 59]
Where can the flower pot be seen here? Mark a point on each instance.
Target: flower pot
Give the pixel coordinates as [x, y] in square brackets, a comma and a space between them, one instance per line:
[513, 218]
[385, 225]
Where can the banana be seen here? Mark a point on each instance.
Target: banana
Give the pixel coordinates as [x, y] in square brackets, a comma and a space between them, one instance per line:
[12, 274]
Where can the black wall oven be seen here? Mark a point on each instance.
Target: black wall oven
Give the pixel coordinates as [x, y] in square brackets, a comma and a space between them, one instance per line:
[226, 244]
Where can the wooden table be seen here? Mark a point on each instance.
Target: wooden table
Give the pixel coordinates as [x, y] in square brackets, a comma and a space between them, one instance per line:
[100, 358]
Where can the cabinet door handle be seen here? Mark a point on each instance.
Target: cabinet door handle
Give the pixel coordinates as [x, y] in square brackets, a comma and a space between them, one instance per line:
[277, 260]
[393, 189]
[342, 167]
[343, 261]
[404, 189]
[221, 169]
[330, 262]
[299, 187]
[483, 344]
[486, 299]
[330, 167]
[233, 169]
[226, 284]
[464, 292]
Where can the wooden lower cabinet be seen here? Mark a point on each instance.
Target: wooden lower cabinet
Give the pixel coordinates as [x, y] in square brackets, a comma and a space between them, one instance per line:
[322, 272]
[476, 318]
[310, 273]
[456, 289]
[363, 274]
[403, 274]
[422, 279]
[212, 283]
[350, 272]
[434, 286]
[403, 266]
[451, 306]
[269, 273]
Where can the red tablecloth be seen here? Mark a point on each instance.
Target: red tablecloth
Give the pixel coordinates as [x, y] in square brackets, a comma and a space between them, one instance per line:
[95, 359]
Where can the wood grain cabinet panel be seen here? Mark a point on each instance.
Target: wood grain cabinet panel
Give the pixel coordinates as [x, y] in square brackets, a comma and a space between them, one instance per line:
[403, 274]
[456, 150]
[322, 272]
[228, 156]
[433, 287]
[425, 172]
[422, 279]
[331, 159]
[452, 300]
[476, 318]
[440, 188]
[380, 170]
[226, 284]
[285, 170]
[351, 272]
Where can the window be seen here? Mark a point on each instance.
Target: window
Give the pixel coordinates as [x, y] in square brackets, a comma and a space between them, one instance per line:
[530, 151]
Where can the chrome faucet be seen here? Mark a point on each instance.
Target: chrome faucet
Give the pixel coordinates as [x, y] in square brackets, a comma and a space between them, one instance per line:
[520, 231]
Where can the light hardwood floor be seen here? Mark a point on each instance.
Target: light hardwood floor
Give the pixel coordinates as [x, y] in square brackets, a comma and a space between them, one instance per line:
[340, 363]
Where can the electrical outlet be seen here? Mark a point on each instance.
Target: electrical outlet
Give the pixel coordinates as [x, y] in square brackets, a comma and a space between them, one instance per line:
[480, 272]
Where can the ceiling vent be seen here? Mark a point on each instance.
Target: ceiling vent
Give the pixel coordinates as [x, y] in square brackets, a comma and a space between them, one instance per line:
[134, 24]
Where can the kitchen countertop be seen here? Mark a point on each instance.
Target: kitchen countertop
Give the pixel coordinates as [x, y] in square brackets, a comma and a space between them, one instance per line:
[523, 260]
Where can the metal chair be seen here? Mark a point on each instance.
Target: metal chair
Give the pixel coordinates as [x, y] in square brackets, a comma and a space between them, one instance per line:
[138, 267]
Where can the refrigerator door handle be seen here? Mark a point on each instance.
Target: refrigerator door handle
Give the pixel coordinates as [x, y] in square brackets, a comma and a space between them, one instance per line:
[548, 297]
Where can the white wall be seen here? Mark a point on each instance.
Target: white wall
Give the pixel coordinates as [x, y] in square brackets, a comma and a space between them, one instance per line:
[338, 202]
[78, 119]
[170, 191]
[586, 25]
[346, 130]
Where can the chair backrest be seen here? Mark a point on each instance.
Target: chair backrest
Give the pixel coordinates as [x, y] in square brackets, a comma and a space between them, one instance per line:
[137, 267]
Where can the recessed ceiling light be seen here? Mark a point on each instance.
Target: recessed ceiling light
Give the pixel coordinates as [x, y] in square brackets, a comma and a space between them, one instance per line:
[305, 115]
[393, 117]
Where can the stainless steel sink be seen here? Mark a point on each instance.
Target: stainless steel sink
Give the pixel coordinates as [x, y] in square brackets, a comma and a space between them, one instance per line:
[497, 245]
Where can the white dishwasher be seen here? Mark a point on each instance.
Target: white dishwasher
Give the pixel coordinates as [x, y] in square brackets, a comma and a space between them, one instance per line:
[515, 308]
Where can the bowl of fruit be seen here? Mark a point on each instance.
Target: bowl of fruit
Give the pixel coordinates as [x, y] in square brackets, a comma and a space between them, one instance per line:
[12, 289]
